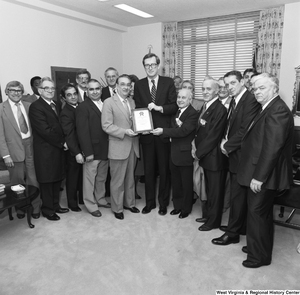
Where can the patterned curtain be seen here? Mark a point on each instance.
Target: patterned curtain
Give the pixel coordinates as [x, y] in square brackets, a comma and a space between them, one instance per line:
[270, 41]
[169, 49]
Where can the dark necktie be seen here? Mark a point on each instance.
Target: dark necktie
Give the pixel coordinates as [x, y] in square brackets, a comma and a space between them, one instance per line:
[52, 104]
[85, 95]
[178, 113]
[202, 111]
[230, 115]
[21, 119]
[153, 91]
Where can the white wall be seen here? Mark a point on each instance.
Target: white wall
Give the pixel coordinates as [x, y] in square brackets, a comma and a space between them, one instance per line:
[32, 41]
[135, 46]
[290, 55]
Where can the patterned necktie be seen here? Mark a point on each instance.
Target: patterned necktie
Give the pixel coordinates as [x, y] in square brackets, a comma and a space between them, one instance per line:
[126, 106]
[21, 119]
[153, 91]
[52, 104]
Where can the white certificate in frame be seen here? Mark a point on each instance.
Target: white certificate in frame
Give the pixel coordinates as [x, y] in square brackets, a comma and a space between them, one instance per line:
[142, 120]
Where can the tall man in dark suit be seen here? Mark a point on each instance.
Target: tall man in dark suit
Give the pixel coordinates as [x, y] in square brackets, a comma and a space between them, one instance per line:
[158, 94]
[34, 83]
[265, 167]
[16, 141]
[94, 144]
[209, 134]
[243, 108]
[74, 157]
[48, 147]
[181, 134]
[111, 75]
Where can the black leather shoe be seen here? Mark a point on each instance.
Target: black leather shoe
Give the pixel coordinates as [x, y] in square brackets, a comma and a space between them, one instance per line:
[96, 213]
[132, 209]
[36, 215]
[175, 212]
[75, 209]
[202, 219]
[183, 215]
[245, 250]
[119, 215]
[225, 240]
[20, 215]
[52, 217]
[62, 210]
[147, 210]
[204, 227]
[105, 206]
[162, 211]
[250, 264]
[223, 228]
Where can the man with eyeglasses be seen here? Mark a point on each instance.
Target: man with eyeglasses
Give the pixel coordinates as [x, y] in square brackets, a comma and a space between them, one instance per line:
[123, 147]
[111, 75]
[48, 146]
[94, 145]
[158, 94]
[82, 79]
[74, 157]
[16, 141]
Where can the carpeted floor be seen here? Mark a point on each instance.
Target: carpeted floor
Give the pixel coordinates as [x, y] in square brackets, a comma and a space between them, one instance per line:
[142, 254]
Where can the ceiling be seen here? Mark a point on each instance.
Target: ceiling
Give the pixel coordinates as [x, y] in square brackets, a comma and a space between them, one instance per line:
[164, 10]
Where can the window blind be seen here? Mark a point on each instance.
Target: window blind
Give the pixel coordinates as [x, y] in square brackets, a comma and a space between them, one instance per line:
[214, 46]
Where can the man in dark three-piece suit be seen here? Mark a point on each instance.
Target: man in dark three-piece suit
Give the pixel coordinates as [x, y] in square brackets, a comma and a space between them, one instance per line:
[243, 108]
[265, 167]
[123, 147]
[94, 144]
[158, 94]
[48, 146]
[209, 133]
[16, 141]
[111, 75]
[181, 134]
[74, 157]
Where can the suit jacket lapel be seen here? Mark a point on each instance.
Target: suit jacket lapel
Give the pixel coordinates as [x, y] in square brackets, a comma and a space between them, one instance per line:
[147, 90]
[10, 116]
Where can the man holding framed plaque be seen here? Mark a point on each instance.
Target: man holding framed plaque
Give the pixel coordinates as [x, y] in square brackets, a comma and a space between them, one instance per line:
[158, 95]
[123, 147]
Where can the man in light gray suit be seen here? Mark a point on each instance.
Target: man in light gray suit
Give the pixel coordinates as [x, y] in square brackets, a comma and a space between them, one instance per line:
[123, 147]
[16, 141]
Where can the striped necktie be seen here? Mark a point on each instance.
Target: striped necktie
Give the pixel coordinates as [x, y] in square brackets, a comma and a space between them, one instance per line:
[153, 91]
[21, 119]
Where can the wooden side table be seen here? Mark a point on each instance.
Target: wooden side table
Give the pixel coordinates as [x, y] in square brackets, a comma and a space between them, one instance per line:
[10, 199]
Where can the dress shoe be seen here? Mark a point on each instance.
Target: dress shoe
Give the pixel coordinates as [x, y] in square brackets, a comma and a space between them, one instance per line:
[132, 209]
[225, 240]
[245, 250]
[119, 215]
[75, 209]
[96, 213]
[105, 206]
[20, 215]
[175, 212]
[183, 215]
[204, 227]
[250, 264]
[52, 217]
[201, 219]
[223, 228]
[36, 215]
[62, 210]
[162, 211]
[147, 210]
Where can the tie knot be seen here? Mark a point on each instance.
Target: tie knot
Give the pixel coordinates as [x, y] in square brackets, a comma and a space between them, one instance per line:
[17, 104]
[153, 82]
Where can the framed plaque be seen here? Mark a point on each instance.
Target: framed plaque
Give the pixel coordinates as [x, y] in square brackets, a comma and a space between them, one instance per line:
[142, 120]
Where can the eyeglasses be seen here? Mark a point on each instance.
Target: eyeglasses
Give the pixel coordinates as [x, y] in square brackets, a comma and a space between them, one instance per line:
[95, 89]
[48, 89]
[15, 91]
[69, 95]
[83, 78]
[153, 66]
